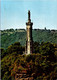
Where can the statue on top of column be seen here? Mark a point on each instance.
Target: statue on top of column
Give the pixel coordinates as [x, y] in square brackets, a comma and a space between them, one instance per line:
[29, 16]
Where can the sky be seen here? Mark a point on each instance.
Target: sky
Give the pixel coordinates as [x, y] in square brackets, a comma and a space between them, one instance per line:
[14, 14]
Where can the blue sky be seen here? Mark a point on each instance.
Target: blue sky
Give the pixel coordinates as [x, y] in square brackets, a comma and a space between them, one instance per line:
[14, 13]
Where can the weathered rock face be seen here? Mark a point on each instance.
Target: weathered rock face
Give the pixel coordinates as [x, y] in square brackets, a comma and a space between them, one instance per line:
[29, 39]
[24, 76]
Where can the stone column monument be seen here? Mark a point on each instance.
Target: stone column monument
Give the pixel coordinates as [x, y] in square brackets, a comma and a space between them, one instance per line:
[29, 39]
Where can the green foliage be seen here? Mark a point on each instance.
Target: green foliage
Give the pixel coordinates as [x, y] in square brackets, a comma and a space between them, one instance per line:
[43, 63]
[10, 36]
[36, 47]
[3, 52]
[15, 48]
[46, 48]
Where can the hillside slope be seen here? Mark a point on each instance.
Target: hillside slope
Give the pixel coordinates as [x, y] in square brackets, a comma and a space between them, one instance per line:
[10, 36]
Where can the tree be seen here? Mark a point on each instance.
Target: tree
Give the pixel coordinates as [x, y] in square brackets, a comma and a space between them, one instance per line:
[16, 47]
[3, 52]
[36, 47]
[46, 48]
